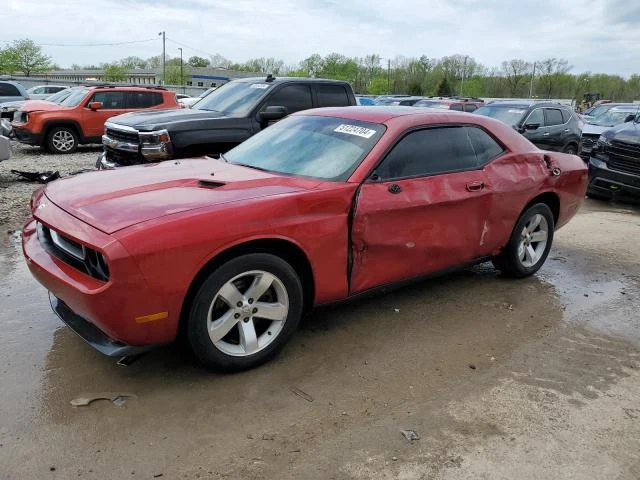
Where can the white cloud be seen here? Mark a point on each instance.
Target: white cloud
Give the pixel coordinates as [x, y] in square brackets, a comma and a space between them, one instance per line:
[587, 34]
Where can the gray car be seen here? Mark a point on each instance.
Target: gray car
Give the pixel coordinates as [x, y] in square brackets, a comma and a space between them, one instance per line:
[11, 91]
[41, 92]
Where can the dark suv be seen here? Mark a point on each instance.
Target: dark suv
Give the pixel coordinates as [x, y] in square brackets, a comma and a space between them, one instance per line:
[548, 125]
[218, 122]
[614, 166]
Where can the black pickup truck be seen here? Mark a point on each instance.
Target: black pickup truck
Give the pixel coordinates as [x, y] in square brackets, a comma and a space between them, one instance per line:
[217, 123]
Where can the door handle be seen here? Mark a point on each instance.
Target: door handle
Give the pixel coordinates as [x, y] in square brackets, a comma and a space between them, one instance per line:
[395, 188]
[475, 186]
[566, 130]
[546, 134]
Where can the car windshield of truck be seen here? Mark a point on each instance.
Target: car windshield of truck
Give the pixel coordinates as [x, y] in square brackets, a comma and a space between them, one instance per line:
[75, 97]
[511, 115]
[234, 98]
[310, 146]
[431, 104]
[611, 118]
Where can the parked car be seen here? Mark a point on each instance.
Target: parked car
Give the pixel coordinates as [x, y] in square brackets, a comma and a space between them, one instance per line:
[80, 117]
[41, 92]
[5, 148]
[595, 127]
[450, 104]
[598, 110]
[12, 91]
[323, 206]
[404, 100]
[7, 109]
[364, 101]
[191, 101]
[220, 121]
[549, 125]
[614, 165]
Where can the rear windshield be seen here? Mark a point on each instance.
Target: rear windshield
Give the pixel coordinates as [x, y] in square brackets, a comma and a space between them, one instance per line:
[511, 115]
[75, 97]
[318, 147]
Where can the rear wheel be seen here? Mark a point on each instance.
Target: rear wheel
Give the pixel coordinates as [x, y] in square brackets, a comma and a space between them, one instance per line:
[571, 149]
[245, 312]
[62, 140]
[529, 244]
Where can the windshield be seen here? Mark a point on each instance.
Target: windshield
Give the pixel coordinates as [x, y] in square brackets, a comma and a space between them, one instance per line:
[59, 97]
[431, 104]
[233, 98]
[510, 115]
[599, 110]
[611, 118]
[389, 101]
[75, 97]
[317, 147]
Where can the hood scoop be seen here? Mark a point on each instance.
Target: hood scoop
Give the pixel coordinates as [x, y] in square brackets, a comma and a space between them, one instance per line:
[209, 184]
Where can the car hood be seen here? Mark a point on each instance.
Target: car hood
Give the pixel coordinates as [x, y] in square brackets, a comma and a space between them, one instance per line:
[590, 129]
[14, 104]
[152, 119]
[627, 132]
[40, 106]
[115, 199]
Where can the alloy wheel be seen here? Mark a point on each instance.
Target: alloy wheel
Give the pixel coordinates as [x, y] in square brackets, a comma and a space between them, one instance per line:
[63, 141]
[533, 240]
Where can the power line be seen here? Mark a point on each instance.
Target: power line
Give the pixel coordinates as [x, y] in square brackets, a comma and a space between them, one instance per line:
[93, 44]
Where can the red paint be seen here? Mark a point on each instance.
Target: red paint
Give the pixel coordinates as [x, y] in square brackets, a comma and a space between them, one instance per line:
[158, 225]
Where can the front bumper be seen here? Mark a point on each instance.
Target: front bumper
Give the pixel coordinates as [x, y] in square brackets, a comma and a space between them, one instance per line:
[26, 136]
[605, 182]
[92, 334]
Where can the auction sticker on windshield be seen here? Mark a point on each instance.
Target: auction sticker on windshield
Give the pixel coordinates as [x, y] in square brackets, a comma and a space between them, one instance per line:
[355, 130]
[512, 110]
[259, 85]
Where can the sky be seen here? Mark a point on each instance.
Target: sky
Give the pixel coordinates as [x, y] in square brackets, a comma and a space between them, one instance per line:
[593, 35]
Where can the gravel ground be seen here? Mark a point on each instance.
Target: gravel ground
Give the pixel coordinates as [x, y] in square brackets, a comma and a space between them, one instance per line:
[15, 193]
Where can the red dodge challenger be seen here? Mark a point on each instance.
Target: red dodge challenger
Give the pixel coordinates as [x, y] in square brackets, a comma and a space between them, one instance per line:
[323, 205]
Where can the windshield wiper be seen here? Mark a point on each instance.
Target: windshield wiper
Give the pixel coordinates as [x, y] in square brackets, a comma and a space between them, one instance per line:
[222, 157]
[252, 166]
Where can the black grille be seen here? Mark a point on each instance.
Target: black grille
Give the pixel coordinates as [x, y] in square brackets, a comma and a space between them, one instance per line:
[589, 140]
[93, 263]
[624, 157]
[130, 137]
[123, 158]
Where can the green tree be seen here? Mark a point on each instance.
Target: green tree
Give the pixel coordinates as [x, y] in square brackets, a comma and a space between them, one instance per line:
[173, 75]
[27, 57]
[114, 72]
[516, 73]
[196, 61]
[8, 61]
[444, 89]
[378, 86]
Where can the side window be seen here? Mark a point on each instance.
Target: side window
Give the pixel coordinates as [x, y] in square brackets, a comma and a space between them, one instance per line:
[485, 146]
[535, 117]
[332, 96]
[566, 116]
[429, 152]
[143, 99]
[40, 90]
[553, 116]
[110, 100]
[294, 97]
[456, 106]
[8, 90]
[470, 107]
[54, 89]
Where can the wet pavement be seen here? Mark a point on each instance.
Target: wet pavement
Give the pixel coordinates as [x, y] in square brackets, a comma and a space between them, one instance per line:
[535, 378]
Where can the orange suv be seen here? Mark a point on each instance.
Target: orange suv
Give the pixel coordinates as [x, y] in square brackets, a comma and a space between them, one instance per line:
[80, 118]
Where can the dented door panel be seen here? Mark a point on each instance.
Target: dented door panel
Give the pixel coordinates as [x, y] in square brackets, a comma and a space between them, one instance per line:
[430, 224]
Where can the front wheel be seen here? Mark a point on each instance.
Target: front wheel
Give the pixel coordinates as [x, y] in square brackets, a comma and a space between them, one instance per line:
[571, 149]
[245, 312]
[529, 244]
[62, 140]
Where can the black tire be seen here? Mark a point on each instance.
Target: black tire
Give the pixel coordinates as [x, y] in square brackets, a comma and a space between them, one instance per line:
[54, 142]
[197, 331]
[509, 261]
[571, 149]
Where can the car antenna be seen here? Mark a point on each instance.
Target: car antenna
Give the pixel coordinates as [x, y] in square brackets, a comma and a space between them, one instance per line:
[270, 78]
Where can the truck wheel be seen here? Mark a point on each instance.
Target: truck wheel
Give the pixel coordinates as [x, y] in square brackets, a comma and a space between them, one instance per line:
[529, 244]
[62, 140]
[245, 312]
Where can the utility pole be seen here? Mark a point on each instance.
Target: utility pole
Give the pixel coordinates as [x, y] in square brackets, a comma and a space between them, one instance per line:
[533, 75]
[181, 77]
[464, 67]
[164, 58]
[388, 75]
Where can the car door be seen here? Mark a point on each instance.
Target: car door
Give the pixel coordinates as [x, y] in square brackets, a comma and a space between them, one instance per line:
[113, 103]
[423, 209]
[538, 136]
[294, 98]
[558, 131]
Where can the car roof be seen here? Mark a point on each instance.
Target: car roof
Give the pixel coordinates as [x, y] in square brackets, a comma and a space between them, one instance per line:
[378, 113]
[625, 108]
[277, 80]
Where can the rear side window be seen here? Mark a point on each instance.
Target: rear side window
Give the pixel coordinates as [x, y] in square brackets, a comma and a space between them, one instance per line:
[429, 152]
[332, 96]
[143, 99]
[485, 146]
[553, 116]
[456, 106]
[109, 100]
[566, 116]
[8, 90]
[294, 97]
[469, 107]
[54, 89]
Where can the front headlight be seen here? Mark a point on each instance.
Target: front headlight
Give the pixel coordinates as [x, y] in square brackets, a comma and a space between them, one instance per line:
[154, 138]
[8, 109]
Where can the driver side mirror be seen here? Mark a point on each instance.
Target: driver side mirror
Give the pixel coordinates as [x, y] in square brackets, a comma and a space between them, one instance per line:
[531, 126]
[272, 113]
[629, 118]
[95, 105]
